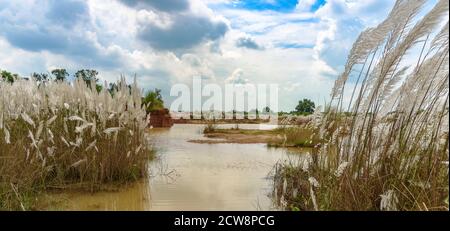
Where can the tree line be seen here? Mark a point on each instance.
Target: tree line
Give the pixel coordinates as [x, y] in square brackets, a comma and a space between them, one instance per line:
[56, 75]
[89, 76]
[152, 99]
[304, 107]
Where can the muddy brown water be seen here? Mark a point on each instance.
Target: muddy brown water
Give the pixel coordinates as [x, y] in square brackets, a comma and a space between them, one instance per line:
[191, 176]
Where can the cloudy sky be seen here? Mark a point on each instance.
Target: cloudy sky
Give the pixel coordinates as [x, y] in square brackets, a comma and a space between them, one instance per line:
[300, 45]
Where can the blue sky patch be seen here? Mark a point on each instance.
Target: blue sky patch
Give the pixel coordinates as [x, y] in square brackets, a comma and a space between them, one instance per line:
[294, 46]
[275, 5]
[305, 20]
[317, 5]
[260, 5]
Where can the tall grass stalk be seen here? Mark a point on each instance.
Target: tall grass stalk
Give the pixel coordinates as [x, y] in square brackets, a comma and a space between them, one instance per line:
[61, 134]
[390, 151]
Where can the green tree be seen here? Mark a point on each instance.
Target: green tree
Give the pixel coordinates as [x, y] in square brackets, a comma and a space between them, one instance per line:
[305, 107]
[8, 76]
[153, 101]
[41, 78]
[98, 87]
[60, 74]
[88, 76]
[113, 87]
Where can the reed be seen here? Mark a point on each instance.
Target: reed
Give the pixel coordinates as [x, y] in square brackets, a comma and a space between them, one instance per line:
[210, 127]
[296, 136]
[60, 134]
[388, 147]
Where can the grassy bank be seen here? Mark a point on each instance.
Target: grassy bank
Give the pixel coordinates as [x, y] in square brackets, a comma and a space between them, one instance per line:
[220, 121]
[60, 135]
[294, 136]
[391, 150]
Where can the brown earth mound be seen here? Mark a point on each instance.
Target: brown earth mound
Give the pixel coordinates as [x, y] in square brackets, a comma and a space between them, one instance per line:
[161, 119]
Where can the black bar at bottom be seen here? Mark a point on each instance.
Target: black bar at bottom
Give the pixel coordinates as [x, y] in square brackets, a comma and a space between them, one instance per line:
[178, 221]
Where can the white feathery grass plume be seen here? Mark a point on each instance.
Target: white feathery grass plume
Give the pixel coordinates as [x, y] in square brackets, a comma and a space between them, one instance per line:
[398, 23]
[77, 143]
[7, 135]
[415, 86]
[422, 28]
[388, 201]
[111, 130]
[39, 130]
[1, 120]
[76, 164]
[284, 186]
[441, 38]
[313, 182]
[44, 160]
[371, 38]
[403, 18]
[341, 168]
[50, 134]
[51, 120]
[27, 119]
[65, 141]
[33, 141]
[294, 193]
[351, 61]
[388, 62]
[306, 162]
[283, 201]
[28, 154]
[66, 129]
[76, 118]
[138, 149]
[79, 129]
[91, 145]
[94, 127]
[122, 119]
[392, 82]
[51, 150]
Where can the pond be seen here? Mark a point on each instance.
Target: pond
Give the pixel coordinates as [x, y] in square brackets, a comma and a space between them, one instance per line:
[192, 176]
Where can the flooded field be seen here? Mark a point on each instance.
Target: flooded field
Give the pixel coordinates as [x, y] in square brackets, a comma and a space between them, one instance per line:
[191, 176]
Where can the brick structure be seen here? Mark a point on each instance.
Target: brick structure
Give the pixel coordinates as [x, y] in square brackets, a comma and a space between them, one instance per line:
[161, 119]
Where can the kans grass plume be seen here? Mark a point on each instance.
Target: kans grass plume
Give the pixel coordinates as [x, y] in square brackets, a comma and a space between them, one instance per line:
[388, 148]
[62, 134]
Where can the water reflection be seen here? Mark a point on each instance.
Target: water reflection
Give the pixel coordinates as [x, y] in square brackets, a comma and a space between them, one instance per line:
[191, 176]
